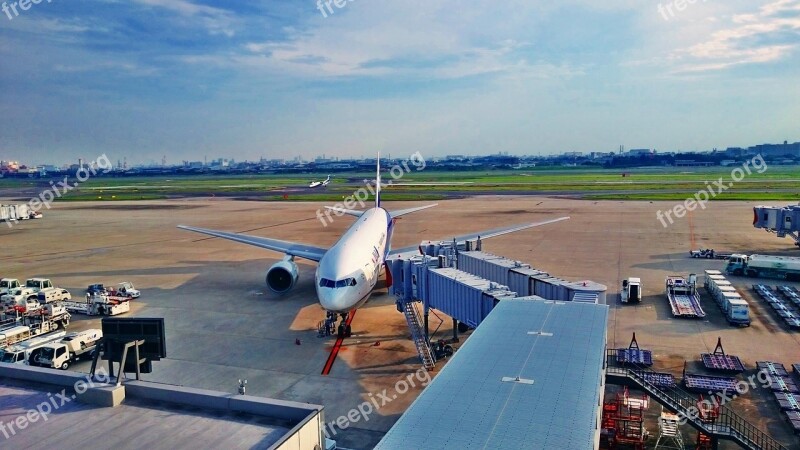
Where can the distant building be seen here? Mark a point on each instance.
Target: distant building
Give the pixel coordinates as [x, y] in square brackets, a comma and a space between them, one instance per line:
[786, 149]
[640, 152]
[692, 163]
[735, 152]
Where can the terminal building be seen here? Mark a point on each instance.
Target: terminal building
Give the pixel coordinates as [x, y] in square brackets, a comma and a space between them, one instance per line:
[532, 375]
[45, 408]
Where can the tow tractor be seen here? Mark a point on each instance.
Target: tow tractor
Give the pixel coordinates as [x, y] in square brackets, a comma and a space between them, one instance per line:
[708, 253]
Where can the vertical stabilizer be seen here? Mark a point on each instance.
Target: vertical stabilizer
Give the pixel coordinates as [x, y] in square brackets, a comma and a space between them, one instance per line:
[378, 182]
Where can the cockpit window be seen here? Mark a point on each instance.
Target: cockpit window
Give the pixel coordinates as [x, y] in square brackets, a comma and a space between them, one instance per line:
[324, 282]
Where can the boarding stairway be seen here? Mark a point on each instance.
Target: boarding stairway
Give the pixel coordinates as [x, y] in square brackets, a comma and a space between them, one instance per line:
[728, 426]
[418, 335]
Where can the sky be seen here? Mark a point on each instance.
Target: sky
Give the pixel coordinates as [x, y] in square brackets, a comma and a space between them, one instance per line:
[185, 79]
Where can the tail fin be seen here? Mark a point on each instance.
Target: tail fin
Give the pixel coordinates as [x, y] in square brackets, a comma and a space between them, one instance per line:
[378, 182]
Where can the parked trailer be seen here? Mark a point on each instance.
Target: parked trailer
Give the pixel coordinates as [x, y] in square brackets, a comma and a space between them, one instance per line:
[97, 305]
[683, 298]
[780, 306]
[14, 335]
[763, 266]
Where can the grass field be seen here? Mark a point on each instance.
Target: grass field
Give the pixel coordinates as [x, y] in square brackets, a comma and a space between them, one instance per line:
[776, 183]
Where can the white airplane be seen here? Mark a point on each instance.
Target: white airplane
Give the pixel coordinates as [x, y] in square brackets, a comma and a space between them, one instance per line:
[323, 183]
[348, 271]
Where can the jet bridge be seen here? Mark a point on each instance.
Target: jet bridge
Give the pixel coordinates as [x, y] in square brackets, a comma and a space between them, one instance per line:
[783, 221]
[466, 284]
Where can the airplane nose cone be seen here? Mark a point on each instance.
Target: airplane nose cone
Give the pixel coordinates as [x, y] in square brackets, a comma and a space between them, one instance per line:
[336, 300]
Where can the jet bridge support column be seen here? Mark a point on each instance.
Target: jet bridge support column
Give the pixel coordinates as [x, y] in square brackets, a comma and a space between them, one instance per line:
[426, 315]
[455, 330]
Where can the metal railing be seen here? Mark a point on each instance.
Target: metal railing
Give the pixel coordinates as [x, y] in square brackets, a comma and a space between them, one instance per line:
[727, 425]
[423, 347]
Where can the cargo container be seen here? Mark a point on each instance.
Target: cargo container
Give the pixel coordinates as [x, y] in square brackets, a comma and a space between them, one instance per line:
[736, 309]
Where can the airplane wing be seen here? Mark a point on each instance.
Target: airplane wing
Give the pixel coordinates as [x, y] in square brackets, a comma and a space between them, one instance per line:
[414, 250]
[402, 212]
[290, 248]
[349, 212]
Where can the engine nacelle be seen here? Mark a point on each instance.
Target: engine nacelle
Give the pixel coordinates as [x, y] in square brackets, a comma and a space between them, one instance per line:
[282, 277]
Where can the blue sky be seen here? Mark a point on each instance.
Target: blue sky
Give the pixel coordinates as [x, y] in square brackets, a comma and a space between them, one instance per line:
[183, 78]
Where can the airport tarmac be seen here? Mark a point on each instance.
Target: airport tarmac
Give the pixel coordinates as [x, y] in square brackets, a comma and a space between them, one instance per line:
[223, 324]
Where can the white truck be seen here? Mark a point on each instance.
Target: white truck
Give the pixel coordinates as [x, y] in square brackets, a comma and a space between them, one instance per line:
[51, 295]
[8, 284]
[38, 284]
[19, 353]
[97, 305]
[49, 318]
[631, 290]
[780, 267]
[17, 297]
[59, 355]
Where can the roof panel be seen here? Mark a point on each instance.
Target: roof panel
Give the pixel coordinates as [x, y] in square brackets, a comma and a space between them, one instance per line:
[558, 410]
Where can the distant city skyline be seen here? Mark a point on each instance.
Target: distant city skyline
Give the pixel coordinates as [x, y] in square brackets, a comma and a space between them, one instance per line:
[190, 78]
[211, 161]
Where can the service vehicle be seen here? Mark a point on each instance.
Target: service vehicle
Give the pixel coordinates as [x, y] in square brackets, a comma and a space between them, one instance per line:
[38, 284]
[631, 290]
[763, 266]
[59, 355]
[8, 284]
[19, 353]
[51, 295]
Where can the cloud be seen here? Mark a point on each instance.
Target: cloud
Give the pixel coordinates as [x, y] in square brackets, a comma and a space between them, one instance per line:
[414, 40]
[215, 20]
[769, 35]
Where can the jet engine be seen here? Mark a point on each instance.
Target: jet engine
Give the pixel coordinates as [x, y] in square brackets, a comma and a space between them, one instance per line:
[282, 277]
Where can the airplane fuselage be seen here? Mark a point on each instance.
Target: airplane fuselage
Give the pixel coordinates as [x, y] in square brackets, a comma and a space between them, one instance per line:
[349, 270]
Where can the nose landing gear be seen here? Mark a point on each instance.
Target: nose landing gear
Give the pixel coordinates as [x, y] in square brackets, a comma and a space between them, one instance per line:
[344, 330]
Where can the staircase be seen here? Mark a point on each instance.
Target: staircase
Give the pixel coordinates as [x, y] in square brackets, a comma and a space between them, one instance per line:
[418, 336]
[729, 426]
